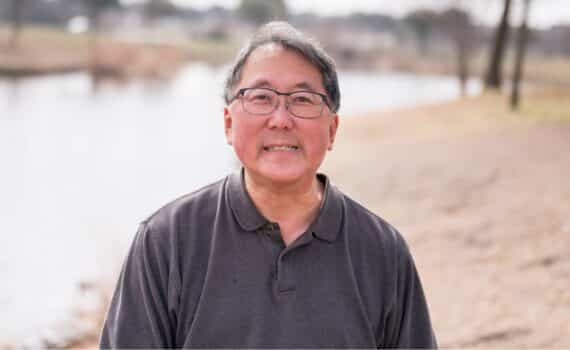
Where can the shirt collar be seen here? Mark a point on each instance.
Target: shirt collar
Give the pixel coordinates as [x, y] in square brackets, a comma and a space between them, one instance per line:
[245, 212]
[326, 226]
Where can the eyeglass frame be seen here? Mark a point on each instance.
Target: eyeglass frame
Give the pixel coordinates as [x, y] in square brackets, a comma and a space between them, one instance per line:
[241, 92]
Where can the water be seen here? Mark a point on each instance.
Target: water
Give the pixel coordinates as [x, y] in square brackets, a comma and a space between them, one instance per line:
[365, 91]
[80, 169]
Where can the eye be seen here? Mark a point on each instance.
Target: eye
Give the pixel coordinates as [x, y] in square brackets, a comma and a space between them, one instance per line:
[259, 97]
[305, 98]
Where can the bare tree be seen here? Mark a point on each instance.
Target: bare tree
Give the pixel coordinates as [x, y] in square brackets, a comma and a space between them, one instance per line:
[522, 39]
[260, 11]
[423, 23]
[493, 79]
[16, 16]
[459, 27]
[155, 9]
[94, 10]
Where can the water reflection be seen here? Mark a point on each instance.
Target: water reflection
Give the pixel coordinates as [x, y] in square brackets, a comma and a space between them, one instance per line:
[81, 166]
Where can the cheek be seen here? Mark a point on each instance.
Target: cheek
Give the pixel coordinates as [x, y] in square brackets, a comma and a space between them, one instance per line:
[244, 139]
[318, 141]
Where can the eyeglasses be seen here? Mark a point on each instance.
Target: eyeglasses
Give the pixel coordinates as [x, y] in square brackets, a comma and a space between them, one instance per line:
[301, 104]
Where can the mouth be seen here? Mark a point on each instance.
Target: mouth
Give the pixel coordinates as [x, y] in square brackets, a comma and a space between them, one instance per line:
[280, 148]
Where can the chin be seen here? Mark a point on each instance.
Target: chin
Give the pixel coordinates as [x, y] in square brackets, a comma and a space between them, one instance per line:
[283, 174]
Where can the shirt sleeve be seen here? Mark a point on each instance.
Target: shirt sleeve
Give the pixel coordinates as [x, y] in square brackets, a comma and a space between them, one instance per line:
[408, 324]
[141, 313]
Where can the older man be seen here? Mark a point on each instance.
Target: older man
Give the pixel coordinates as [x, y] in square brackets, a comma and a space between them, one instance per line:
[275, 255]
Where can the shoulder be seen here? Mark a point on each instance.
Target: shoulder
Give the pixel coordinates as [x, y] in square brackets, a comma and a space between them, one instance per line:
[369, 226]
[192, 207]
[372, 238]
[379, 254]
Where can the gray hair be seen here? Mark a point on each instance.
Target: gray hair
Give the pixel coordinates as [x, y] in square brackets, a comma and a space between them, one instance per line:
[285, 35]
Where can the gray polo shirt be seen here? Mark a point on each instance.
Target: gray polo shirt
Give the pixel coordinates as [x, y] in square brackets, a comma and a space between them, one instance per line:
[209, 271]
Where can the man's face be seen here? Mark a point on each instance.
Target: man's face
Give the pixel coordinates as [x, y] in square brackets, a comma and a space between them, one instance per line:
[258, 140]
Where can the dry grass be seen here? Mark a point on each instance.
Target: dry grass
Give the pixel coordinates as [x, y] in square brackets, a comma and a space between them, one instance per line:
[552, 70]
[48, 51]
[46, 37]
[120, 61]
[461, 118]
[548, 105]
[215, 52]
[42, 51]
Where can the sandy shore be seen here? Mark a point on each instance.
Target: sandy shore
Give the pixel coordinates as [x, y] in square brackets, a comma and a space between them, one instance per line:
[482, 196]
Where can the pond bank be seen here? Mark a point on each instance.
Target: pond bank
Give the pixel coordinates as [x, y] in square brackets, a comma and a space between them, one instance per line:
[43, 51]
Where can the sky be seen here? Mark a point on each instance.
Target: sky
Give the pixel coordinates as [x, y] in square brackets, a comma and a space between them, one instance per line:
[544, 14]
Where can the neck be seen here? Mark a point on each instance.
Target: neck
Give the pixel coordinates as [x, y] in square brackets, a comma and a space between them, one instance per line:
[293, 206]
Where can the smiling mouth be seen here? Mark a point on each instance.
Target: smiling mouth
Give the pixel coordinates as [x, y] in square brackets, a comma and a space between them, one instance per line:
[283, 148]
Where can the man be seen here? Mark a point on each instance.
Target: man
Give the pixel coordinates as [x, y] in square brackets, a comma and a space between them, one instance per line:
[275, 255]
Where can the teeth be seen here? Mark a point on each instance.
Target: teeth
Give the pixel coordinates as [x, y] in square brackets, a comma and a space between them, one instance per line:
[281, 148]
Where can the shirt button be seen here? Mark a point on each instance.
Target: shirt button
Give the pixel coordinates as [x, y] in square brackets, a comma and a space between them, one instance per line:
[274, 235]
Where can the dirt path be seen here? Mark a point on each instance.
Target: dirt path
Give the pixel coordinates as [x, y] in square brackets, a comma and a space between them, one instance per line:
[483, 199]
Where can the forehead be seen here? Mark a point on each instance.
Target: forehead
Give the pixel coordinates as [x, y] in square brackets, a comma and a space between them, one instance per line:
[280, 67]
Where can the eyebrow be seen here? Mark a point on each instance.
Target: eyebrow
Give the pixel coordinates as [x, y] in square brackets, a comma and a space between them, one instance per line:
[264, 83]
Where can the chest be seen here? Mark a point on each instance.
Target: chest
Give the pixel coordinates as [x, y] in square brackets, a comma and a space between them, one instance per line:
[256, 293]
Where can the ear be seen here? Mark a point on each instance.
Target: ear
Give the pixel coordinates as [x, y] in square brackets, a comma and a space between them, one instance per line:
[228, 125]
[332, 130]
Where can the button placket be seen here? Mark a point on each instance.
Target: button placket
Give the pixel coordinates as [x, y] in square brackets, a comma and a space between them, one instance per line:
[284, 281]
[283, 257]
[273, 246]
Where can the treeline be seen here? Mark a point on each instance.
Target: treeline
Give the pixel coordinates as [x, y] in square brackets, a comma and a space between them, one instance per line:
[428, 27]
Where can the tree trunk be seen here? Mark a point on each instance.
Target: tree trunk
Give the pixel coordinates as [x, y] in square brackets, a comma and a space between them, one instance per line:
[458, 25]
[93, 15]
[494, 73]
[14, 41]
[463, 67]
[522, 39]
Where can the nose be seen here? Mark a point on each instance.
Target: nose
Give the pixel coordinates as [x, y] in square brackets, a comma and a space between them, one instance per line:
[280, 118]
